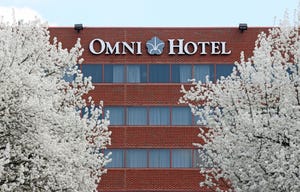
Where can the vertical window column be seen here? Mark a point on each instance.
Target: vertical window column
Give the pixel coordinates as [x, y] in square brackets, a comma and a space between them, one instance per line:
[136, 158]
[159, 73]
[136, 116]
[181, 158]
[181, 116]
[92, 70]
[114, 73]
[181, 73]
[203, 70]
[159, 116]
[116, 116]
[223, 70]
[159, 158]
[117, 158]
[136, 73]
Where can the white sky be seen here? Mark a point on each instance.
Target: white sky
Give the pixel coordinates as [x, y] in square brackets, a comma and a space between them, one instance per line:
[159, 13]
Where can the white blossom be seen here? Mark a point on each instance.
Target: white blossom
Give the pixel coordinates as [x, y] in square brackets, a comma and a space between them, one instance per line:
[46, 142]
[252, 117]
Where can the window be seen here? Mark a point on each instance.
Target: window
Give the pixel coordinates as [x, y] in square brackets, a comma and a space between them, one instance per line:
[159, 73]
[159, 158]
[113, 73]
[150, 115]
[201, 71]
[117, 158]
[116, 116]
[136, 116]
[136, 158]
[93, 70]
[224, 70]
[181, 73]
[136, 73]
[181, 116]
[181, 158]
[159, 116]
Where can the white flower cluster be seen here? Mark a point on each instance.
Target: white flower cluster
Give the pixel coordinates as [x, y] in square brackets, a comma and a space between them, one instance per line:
[252, 118]
[46, 144]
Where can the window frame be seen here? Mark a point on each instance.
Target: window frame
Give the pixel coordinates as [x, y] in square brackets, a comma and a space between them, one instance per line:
[192, 164]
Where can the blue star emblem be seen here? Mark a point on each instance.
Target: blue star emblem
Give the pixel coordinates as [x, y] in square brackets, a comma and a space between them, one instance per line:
[155, 46]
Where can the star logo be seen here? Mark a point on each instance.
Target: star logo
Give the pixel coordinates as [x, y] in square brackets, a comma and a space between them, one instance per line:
[155, 46]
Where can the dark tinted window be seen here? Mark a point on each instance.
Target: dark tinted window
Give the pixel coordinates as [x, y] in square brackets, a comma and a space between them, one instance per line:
[224, 70]
[159, 158]
[181, 73]
[182, 158]
[116, 115]
[203, 70]
[117, 158]
[159, 73]
[159, 116]
[136, 158]
[136, 73]
[136, 116]
[113, 73]
[93, 70]
[181, 116]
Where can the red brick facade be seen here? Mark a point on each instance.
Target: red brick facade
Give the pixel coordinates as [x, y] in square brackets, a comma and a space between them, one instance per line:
[153, 94]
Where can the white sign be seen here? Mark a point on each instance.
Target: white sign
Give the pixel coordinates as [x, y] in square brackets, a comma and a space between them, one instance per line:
[155, 47]
[191, 48]
[118, 48]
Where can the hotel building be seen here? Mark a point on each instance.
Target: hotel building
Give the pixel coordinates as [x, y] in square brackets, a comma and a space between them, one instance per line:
[138, 73]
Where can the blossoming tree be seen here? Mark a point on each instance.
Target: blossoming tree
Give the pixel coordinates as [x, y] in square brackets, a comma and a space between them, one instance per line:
[251, 119]
[49, 139]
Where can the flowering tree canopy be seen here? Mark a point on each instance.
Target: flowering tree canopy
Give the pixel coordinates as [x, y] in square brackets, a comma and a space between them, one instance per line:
[49, 139]
[251, 119]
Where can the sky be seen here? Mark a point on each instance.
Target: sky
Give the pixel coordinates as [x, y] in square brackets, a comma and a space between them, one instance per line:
[151, 13]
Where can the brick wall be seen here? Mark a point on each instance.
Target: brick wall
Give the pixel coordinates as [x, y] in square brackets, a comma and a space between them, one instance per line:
[172, 180]
[153, 95]
[153, 136]
[136, 95]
